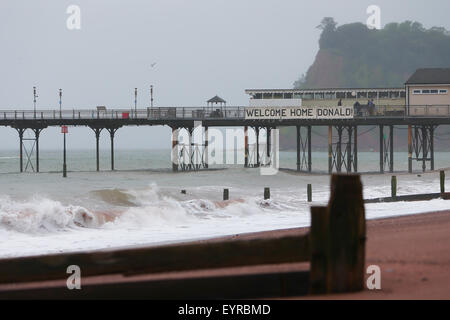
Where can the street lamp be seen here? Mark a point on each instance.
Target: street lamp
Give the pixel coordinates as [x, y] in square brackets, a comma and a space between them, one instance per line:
[151, 96]
[34, 100]
[135, 102]
[60, 103]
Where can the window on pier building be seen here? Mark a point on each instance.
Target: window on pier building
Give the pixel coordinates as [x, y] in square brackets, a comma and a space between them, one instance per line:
[267, 95]
[340, 95]
[384, 94]
[287, 95]
[329, 95]
[298, 95]
[372, 95]
[308, 96]
[394, 94]
[257, 96]
[351, 95]
[362, 95]
[318, 96]
[278, 95]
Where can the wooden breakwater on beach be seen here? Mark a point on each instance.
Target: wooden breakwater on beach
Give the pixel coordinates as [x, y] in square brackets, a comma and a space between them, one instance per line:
[334, 248]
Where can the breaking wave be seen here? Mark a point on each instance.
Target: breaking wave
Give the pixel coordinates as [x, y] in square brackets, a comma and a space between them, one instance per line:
[42, 215]
[130, 209]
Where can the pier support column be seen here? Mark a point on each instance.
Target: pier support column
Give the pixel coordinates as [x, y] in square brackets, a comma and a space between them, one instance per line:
[175, 133]
[381, 149]
[304, 160]
[246, 147]
[21, 131]
[191, 165]
[298, 148]
[424, 148]
[349, 149]
[257, 146]
[97, 132]
[410, 149]
[206, 148]
[330, 149]
[339, 150]
[432, 148]
[268, 147]
[112, 132]
[391, 148]
[355, 149]
[309, 150]
[37, 133]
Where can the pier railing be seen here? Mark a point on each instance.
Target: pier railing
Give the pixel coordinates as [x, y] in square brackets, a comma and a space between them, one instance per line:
[203, 113]
[149, 113]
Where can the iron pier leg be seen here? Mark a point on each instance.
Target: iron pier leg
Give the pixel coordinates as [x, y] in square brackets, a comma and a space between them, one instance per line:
[257, 147]
[175, 132]
[355, 149]
[309, 150]
[330, 149]
[349, 149]
[37, 133]
[21, 131]
[246, 146]
[112, 132]
[381, 149]
[424, 148]
[410, 149]
[97, 132]
[298, 148]
[432, 147]
[206, 147]
[191, 148]
[391, 148]
[339, 150]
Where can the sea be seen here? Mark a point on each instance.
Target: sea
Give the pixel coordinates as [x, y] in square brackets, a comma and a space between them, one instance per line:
[141, 203]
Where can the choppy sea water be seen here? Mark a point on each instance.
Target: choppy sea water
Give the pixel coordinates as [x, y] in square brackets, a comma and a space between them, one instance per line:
[141, 203]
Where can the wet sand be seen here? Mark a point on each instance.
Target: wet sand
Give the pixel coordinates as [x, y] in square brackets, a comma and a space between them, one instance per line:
[413, 253]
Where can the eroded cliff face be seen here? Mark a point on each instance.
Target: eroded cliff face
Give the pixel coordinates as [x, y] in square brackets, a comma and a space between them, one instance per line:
[327, 71]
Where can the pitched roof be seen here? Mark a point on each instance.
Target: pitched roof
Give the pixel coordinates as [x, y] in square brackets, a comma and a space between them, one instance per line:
[216, 99]
[430, 76]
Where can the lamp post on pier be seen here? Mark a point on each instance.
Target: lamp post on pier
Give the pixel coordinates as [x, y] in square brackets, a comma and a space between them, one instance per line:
[34, 100]
[60, 103]
[135, 102]
[151, 96]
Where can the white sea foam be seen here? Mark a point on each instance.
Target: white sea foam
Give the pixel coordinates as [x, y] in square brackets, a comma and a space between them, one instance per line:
[127, 211]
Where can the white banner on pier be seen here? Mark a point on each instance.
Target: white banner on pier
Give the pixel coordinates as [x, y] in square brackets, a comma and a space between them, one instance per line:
[281, 113]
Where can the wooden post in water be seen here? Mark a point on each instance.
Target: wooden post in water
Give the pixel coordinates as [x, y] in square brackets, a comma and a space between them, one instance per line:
[309, 191]
[442, 178]
[393, 186]
[266, 193]
[226, 194]
[347, 236]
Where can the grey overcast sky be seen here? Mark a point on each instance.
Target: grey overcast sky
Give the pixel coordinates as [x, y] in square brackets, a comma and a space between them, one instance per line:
[200, 47]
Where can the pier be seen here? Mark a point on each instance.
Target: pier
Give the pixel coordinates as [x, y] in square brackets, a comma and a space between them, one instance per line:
[342, 152]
